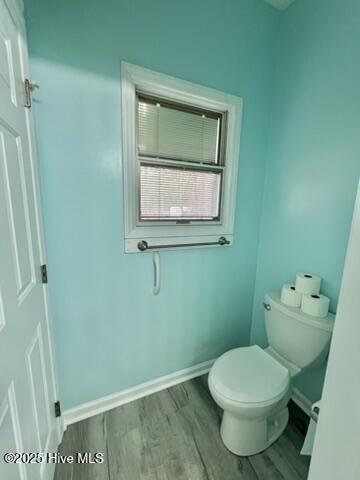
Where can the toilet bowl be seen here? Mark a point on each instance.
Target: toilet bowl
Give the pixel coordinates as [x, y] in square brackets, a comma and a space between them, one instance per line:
[253, 385]
[253, 390]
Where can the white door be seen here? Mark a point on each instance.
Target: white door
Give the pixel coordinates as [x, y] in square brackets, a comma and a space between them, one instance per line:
[336, 453]
[27, 382]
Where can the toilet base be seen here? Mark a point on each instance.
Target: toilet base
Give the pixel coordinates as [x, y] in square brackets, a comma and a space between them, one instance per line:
[247, 437]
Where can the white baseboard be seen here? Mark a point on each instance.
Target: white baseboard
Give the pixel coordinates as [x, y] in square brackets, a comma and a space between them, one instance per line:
[103, 404]
[114, 400]
[302, 401]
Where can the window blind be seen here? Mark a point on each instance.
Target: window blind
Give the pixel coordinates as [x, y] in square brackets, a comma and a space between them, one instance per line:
[169, 193]
[167, 131]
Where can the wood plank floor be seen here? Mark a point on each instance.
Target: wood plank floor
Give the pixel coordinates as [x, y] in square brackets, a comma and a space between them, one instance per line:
[173, 435]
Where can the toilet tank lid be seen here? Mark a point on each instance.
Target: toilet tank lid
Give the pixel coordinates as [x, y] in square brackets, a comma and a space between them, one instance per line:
[326, 323]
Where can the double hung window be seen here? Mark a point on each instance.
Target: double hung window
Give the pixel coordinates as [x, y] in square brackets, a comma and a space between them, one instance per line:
[181, 149]
[181, 161]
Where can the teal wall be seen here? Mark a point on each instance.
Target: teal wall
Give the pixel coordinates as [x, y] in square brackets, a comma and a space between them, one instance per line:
[298, 72]
[110, 331]
[313, 160]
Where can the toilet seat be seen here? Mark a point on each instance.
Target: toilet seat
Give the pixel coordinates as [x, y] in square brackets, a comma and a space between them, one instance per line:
[249, 375]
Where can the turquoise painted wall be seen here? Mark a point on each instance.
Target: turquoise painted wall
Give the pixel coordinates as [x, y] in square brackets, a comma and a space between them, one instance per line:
[313, 160]
[110, 331]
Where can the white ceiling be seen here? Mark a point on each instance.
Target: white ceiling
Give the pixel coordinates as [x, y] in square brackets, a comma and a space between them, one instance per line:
[280, 4]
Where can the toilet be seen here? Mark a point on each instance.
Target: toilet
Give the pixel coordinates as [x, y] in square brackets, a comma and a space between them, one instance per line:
[253, 385]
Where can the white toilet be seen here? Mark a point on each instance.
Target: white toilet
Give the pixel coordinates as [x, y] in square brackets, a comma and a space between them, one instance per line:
[253, 385]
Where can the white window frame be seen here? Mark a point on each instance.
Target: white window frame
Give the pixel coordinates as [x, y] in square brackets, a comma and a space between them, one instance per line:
[135, 78]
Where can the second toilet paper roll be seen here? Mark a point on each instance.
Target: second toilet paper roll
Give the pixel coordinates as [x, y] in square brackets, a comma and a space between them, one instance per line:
[315, 305]
[307, 283]
[290, 297]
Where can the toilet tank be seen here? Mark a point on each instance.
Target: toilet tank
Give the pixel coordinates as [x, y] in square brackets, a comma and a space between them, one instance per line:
[300, 338]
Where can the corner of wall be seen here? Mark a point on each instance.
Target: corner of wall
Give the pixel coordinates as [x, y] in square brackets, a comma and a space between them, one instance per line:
[275, 60]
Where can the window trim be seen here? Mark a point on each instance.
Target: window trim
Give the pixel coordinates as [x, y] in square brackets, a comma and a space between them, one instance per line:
[137, 79]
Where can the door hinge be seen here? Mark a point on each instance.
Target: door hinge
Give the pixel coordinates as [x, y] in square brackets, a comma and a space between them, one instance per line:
[44, 275]
[57, 408]
[29, 88]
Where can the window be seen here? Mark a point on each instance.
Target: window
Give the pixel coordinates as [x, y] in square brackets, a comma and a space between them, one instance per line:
[180, 161]
[181, 149]
[181, 194]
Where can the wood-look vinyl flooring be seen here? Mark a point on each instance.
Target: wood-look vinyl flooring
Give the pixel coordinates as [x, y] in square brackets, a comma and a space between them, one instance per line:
[173, 435]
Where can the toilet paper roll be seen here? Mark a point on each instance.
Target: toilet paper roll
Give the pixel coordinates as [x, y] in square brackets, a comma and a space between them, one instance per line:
[307, 283]
[315, 305]
[290, 297]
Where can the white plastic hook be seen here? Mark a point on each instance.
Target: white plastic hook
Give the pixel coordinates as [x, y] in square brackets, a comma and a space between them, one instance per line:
[156, 262]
